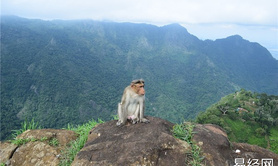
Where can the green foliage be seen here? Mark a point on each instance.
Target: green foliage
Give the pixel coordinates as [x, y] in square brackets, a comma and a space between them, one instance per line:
[61, 72]
[75, 146]
[20, 141]
[196, 155]
[115, 117]
[43, 139]
[260, 132]
[26, 125]
[54, 142]
[273, 139]
[185, 132]
[249, 117]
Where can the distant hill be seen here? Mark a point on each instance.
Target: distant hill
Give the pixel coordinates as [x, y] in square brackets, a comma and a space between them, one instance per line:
[61, 72]
[247, 117]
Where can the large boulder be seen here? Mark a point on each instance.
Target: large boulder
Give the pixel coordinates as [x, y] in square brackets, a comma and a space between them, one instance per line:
[62, 136]
[42, 147]
[36, 153]
[154, 144]
[219, 151]
[214, 143]
[138, 144]
[6, 151]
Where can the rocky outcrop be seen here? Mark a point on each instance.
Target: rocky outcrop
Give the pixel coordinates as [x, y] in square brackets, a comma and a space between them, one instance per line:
[6, 151]
[42, 147]
[219, 151]
[139, 144]
[214, 143]
[153, 144]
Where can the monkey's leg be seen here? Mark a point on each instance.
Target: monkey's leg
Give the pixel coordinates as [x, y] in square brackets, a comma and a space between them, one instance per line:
[136, 115]
[142, 110]
[120, 115]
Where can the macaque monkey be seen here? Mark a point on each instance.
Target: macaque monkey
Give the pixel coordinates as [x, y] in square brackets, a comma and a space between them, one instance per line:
[132, 105]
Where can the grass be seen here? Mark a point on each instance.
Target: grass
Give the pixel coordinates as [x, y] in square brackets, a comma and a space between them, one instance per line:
[274, 139]
[22, 141]
[185, 132]
[54, 142]
[244, 132]
[32, 125]
[26, 125]
[75, 146]
[180, 131]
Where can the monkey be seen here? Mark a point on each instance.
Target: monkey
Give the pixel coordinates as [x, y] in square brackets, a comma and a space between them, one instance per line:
[132, 104]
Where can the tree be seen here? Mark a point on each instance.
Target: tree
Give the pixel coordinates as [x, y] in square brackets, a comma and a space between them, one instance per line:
[260, 132]
[223, 108]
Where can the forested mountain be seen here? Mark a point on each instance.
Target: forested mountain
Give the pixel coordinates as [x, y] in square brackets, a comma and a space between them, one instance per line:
[247, 117]
[61, 72]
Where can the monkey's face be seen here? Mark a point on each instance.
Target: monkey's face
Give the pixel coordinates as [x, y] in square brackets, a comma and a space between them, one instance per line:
[139, 89]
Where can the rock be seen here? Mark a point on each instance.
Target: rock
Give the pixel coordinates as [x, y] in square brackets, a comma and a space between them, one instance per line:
[219, 151]
[36, 153]
[63, 136]
[138, 144]
[38, 150]
[252, 152]
[6, 151]
[214, 144]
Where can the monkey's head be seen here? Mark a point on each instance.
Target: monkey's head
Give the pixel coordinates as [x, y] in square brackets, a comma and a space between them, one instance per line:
[138, 86]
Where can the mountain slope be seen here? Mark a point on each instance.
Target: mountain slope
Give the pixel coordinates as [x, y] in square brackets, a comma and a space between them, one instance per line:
[61, 72]
[247, 117]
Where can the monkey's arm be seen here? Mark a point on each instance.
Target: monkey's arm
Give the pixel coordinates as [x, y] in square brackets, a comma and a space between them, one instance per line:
[142, 110]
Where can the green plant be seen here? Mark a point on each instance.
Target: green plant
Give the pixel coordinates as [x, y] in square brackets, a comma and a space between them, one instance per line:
[54, 142]
[43, 139]
[20, 141]
[26, 125]
[196, 155]
[75, 146]
[32, 139]
[185, 132]
[115, 117]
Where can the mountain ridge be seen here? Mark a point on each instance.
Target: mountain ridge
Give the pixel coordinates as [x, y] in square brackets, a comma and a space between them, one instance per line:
[69, 71]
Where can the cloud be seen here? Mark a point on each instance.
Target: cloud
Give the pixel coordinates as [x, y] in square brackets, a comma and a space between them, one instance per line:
[182, 11]
[254, 20]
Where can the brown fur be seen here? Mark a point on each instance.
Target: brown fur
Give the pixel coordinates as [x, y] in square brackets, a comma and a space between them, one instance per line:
[132, 105]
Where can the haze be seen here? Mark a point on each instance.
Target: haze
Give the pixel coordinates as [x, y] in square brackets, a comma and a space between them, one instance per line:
[254, 20]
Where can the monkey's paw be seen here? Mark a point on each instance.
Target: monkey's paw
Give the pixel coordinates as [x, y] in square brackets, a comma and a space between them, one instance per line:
[144, 120]
[119, 123]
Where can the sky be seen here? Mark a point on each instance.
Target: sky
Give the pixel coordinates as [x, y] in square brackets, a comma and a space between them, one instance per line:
[254, 20]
